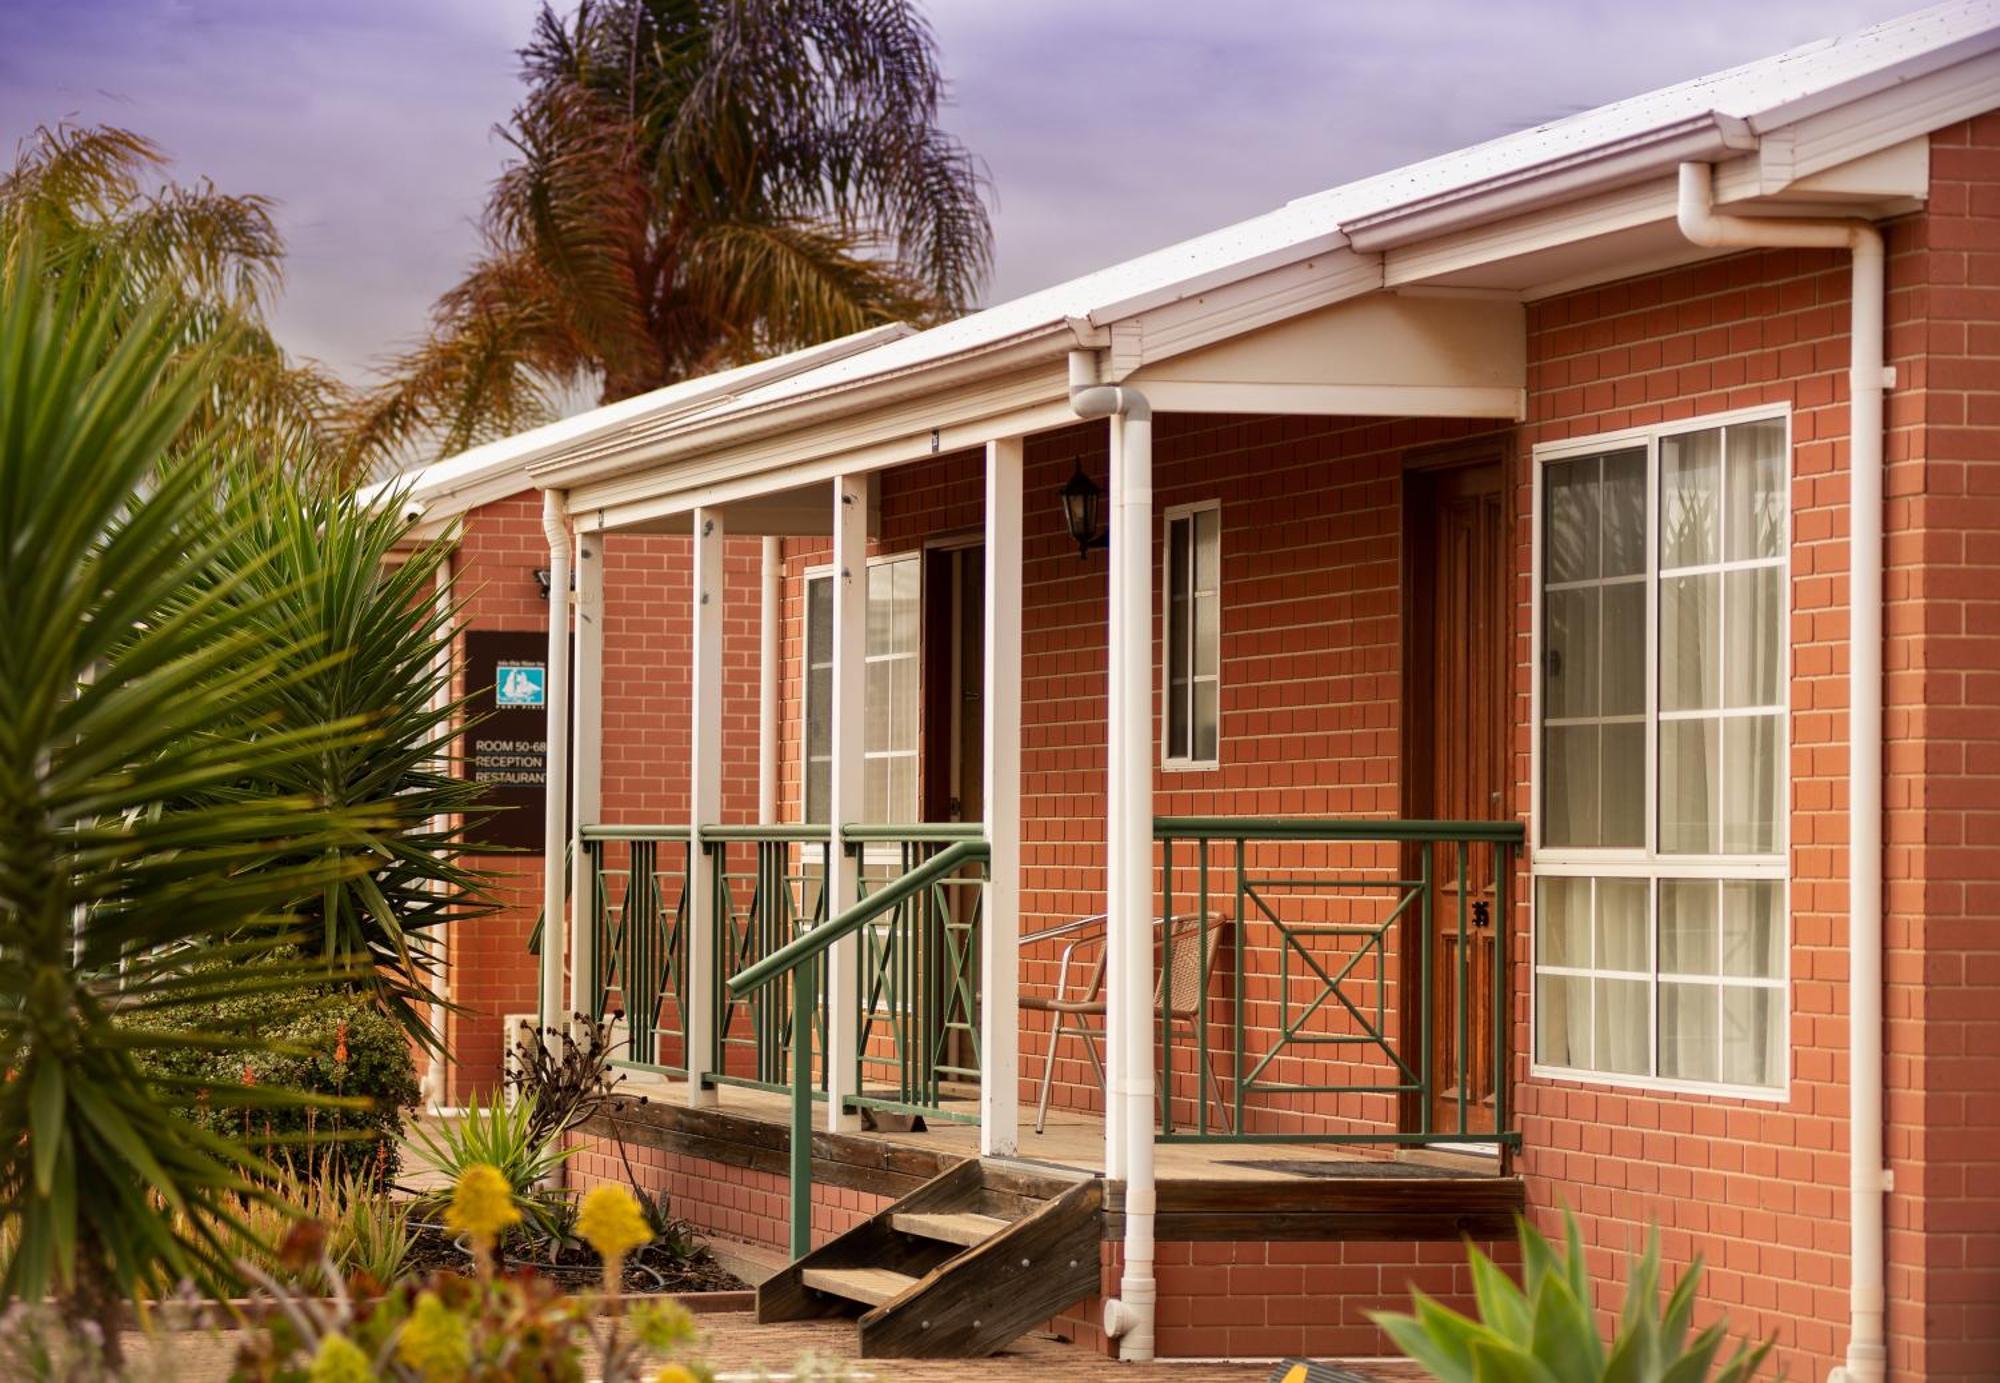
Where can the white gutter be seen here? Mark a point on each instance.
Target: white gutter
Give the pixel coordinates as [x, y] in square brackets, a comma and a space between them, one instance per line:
[1128, 1317]
[1868, 1178]
[555, 823]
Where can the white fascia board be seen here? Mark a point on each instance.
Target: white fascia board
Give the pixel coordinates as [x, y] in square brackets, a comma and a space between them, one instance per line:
[1884, 80]
[1195, 285]
[1339, 400]
[1916, 107]
[496, 470]
[786, 418]
[1706, 138]
[1232, 309]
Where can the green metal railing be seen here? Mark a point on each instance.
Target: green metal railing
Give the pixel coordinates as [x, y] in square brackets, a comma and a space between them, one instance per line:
[641, 939]
[1368, 940]
[803, 959]
[919, 1016]
[770, 888]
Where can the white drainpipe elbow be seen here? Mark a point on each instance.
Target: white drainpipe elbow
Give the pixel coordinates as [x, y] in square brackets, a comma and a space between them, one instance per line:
[1129, 1317]
[1868, 1177]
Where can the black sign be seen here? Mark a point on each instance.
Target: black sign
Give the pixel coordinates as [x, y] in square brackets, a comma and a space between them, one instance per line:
[507, 749]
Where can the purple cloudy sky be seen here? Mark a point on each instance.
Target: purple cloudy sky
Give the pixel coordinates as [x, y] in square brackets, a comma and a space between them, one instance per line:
[1110, 127]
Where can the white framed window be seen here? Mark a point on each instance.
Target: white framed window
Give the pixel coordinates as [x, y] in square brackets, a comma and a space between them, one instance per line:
[1191, 648]
[1661, 774]
[891, 706]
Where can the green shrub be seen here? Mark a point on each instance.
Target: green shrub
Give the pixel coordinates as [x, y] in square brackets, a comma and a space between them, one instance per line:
[1547, 1333]
[329, 1040]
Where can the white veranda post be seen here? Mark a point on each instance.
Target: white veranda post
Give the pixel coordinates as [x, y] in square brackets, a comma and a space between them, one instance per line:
[1000, 927]
[704, 799]
[587, 768]
[555, 825]
[850, 630]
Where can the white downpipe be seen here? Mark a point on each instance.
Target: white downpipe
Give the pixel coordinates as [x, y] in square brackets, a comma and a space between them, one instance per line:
[555, 821]
[767, 681]
[1868, 1177]
[1128, 1317]
[437, 1071]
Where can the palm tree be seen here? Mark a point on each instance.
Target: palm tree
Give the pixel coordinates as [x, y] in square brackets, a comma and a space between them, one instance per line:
[91, 200]
[697, 183]
[136, 702]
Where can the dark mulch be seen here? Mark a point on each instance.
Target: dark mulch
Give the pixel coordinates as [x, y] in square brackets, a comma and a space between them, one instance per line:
[654, 1269]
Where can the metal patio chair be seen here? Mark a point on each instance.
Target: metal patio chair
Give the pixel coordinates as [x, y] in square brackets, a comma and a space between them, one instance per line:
[1080, 997]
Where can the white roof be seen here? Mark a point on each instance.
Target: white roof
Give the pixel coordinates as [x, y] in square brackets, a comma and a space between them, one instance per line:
[1761, 94]
[496, 469]
[1730, 108]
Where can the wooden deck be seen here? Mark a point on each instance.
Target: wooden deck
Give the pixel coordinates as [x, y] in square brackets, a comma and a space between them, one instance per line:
[1213, 1191]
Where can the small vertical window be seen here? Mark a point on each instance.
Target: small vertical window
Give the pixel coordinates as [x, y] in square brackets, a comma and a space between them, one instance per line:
[1193, 637]
[890, 705]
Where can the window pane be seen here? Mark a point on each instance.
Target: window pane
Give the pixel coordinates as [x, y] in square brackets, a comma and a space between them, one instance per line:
[1180, 738]
[819, 789]
[1569, 785]
[819, 619]
[1690, 508]
[1562, 1020]
[1753, 928]
[1206, 718]
[1207, 633]
[1756, 516]
[902, 802]
[876, 702]
[1687, 1031]
[1687, 927]
[1688, 787]
[1754, 785]
[1624, 659]
[1621, 925]
[875, 790]
[1623, 778]
[1621, 1027]
[1562, 922]
[1569, 528]
[1754, 617]
[1208, 550]
[1753, 1036]
[881, 636]
[819, 712]
[1689, 642]
[1623, 502]
[1570, 660]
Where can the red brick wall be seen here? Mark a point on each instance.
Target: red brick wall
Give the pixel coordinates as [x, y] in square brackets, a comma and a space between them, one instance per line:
[1943, 767]
[1760, 1188]
[646, 730]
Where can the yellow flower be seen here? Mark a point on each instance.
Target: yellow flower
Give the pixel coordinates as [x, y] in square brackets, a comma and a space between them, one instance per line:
[340, 1360]
[435, 1341]
[611, 1222]
[482, 1204]
[675, 1373]
[662, 1325]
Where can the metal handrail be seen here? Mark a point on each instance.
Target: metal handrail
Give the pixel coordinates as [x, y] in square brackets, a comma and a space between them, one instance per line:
[795, 958]
[1358, 829]
[809, 946]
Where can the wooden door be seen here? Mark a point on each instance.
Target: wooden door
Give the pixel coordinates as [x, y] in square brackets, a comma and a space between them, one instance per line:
[1455, 718]
[954, 758]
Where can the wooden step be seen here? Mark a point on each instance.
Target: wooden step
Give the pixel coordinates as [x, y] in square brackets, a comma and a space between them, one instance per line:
[869, 1286]
[964, 1228]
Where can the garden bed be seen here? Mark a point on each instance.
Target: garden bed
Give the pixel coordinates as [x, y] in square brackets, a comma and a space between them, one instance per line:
[653, 1270]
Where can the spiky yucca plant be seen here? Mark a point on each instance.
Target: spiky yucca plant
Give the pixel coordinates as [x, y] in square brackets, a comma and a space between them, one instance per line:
[347, 580]
[1545, 1331]
[137, 701]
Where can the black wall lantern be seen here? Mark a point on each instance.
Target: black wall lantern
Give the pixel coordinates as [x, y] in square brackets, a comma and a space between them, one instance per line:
[1081, 501]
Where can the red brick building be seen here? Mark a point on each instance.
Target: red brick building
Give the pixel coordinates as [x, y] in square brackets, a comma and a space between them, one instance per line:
[1494, 635]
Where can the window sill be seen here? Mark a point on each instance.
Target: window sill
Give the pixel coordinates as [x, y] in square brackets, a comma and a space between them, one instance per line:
[1654, 1085]
[1190, 765]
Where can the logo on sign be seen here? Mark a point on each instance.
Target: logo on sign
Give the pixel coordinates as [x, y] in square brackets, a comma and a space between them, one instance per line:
[519, 684]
